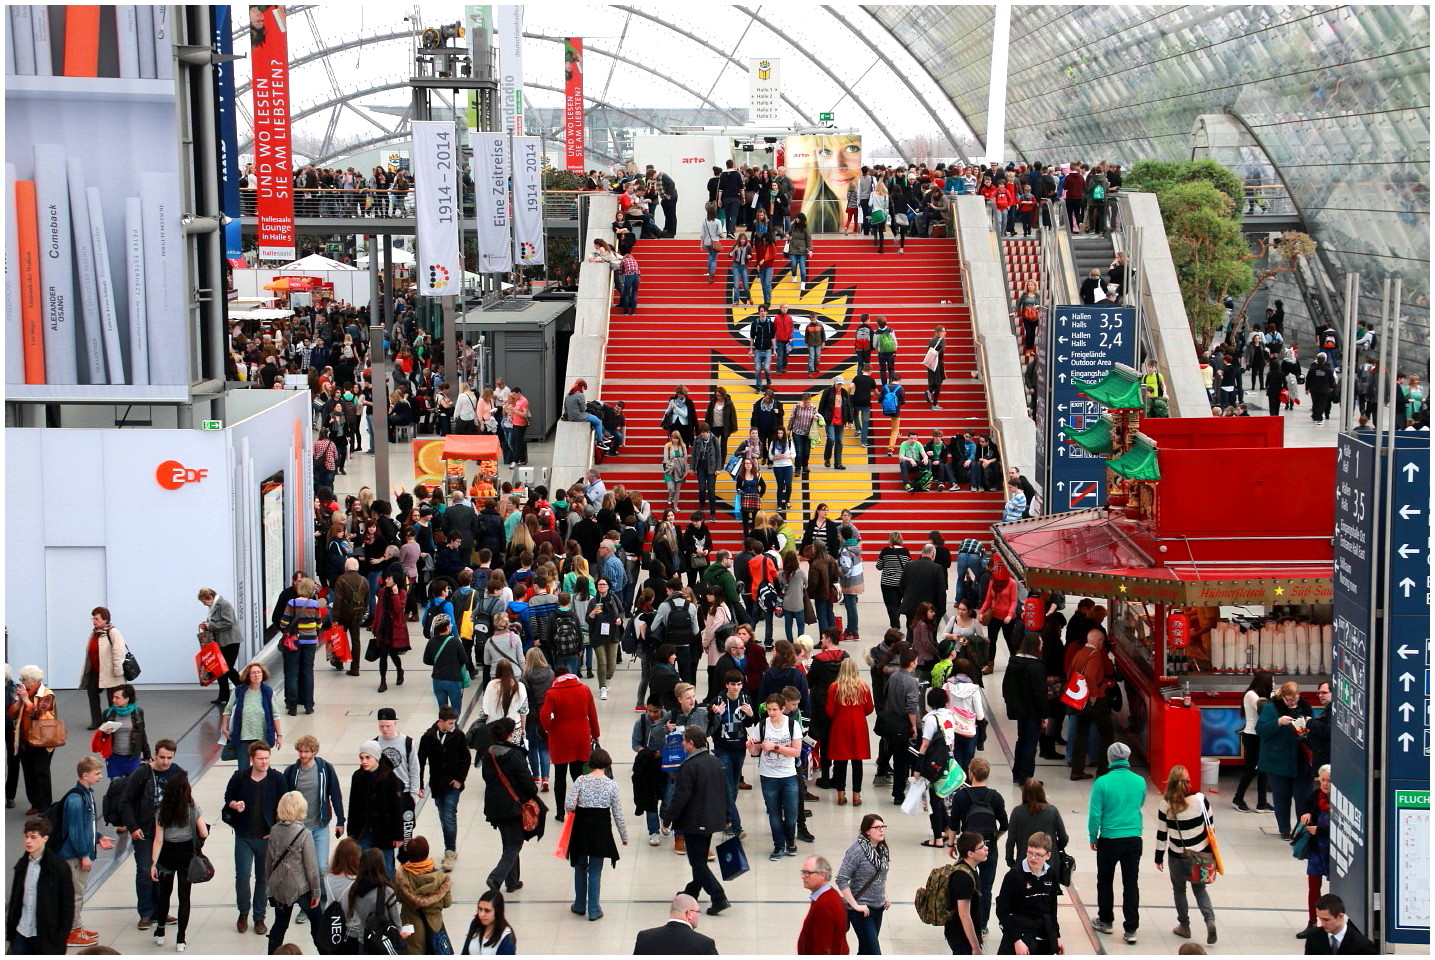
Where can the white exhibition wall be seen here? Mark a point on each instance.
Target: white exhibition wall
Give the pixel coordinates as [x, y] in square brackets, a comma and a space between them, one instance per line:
[689, 161]
[141, 548]
[351, 286]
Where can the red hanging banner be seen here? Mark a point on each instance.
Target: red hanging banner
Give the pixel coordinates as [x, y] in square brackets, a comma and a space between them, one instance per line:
[272, 150]
[573, 132]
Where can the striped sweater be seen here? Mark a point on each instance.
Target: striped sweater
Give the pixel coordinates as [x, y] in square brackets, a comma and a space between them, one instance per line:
[1184, 832]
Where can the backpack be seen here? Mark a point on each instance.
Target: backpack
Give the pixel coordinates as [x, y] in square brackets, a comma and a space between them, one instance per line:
[769, 597]
[863, 336]
[335, 935]
[629, 642]
[481, 619]
[887, 341]
[380, 936]
[931, 901]
[1327, 341]
[567, 638]
[1098, 191]
[55, 813]
[465, 616]
[680, 620]
[890, 404]
[430, 611]
[932, 764]
[981, 817]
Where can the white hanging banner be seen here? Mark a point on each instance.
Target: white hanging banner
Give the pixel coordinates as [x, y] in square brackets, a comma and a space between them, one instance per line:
[510, 67]
[440, 272]
[528, 201]
[490, 178]
[764, 89]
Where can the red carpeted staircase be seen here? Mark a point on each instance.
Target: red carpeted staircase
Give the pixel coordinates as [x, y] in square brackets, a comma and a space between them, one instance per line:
[684, 333]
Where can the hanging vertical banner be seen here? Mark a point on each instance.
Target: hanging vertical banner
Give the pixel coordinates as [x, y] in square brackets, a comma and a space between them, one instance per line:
[227, 134]
[434, 162]
[527, 201]
[490, 179]
[764, 91]
[272, 161]
[573, 132]
[510, 67]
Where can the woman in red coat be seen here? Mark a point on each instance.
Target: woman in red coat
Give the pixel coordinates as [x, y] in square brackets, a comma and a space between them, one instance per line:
[849, 703]
[391, 624]
[569, 718]
[1000, 611]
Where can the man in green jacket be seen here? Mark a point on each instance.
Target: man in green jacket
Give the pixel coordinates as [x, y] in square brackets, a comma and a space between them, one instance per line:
[1113, 821]
[719, 575]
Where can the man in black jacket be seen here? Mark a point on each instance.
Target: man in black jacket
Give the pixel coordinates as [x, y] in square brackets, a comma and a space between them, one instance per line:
[38, 921]
[1320, 384]
[698, 807]
[460, 523]
[1024, 690]
[251, 807]
[922, 581]
[445, 751]
[679, 936]
[143, 790]
[835, 405]
[730, 193]
[1337, 935]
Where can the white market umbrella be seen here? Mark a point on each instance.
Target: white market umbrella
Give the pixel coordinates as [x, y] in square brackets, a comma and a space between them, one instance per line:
[312, 263]
[400, 257]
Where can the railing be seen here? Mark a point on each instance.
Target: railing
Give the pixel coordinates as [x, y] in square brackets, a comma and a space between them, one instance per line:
[1267, 198]
[1130, 240]
[337, 203]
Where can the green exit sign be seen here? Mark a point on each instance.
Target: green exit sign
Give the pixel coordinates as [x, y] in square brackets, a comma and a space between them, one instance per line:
[212, 425]
[825, 117]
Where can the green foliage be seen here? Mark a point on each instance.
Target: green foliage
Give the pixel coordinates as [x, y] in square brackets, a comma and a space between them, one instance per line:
[563, 180]
[1201, 207]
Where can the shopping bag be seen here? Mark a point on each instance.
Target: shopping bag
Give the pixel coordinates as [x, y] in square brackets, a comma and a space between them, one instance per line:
[1215, 847]
[565, 835]
[932, 358]
[1076, 694]
[209, 663]
[673, 752]
[916, 799]
[337, 638]
[732, 859]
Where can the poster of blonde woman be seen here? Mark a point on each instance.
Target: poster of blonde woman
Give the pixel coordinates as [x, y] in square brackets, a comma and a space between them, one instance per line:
[821, 169]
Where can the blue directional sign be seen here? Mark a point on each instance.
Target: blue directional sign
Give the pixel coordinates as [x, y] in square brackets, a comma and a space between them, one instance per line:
[1085, 343]
[1407, 605]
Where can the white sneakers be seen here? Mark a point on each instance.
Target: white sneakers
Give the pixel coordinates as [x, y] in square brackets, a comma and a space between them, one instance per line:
[653, 840]
[602, 693]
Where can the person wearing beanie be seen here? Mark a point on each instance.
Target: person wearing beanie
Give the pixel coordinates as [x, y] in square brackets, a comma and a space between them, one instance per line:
[452, 668]
[423, 891]
[376, 810]
[1114, 823]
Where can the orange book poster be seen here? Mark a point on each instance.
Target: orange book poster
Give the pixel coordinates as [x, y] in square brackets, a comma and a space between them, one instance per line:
[82, 41]
[32, 328]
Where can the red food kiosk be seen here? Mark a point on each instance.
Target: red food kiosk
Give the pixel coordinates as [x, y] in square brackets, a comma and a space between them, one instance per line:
[1214, 557]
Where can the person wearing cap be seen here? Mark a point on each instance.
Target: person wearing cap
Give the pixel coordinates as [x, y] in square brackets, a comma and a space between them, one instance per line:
[376, 804]
[835, 407]
[450, 661]
[1113, 294]
[1113, 821]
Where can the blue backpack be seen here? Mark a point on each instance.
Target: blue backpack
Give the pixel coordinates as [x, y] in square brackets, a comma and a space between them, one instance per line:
[890, 405]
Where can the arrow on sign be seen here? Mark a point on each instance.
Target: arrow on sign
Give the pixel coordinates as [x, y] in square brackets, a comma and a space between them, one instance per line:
[1406, 679]
[1063, 340]
[1061, 359]
[1406, 586]
[1406, 551]
[1406, 652]
[1407, 511]
[1405, 741]
[1406, 709]
[1061, 377]
[1062, 317]
[1061, 485]
[1411, 469]
[1061, 408]
[1061, 452]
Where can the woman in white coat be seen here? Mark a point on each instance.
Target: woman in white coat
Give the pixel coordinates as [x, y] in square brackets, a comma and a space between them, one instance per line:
[104, 663]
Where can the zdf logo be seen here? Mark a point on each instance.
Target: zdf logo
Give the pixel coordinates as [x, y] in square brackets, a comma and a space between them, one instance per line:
[172, 474]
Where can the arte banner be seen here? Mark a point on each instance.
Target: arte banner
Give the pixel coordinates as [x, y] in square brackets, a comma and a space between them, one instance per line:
[821, 168]
[273, 165]
[573, 133]
[434, 162]
[764, 89]
[494, 213]
[510, 67]
[528, 247]
[227, 134]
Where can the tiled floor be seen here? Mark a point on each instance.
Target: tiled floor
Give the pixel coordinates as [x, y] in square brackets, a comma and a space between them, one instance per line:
[1260, 901]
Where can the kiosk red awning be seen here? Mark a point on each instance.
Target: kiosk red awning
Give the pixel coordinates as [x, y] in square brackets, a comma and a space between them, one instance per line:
[472, 446]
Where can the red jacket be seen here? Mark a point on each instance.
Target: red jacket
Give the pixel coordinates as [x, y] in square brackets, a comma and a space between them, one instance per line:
[824, 930]
[1000, 600]
[391, 623]
[848, 738]
[569, 718]
[756, 666]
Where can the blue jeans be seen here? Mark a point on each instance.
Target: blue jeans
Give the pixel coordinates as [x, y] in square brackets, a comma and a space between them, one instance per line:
[780, 796]
[756, 616]
[761, 361]
[249, 861]
[447, 802]
[449, 692]
[299, 675]
[814, 358]
[867, 929]
[144, 886]
[798, 262]
[833, 450]
[732, 769]
[783, 348]
[864, 424]
[1282, 793]
[765, 277]
[965, 562]
[712, 261]
[802, 443]
[569, 664]
[537, 748]
[783, 476]
[849, 600]
[366, 844]
[587, 884]
[790, 617]
[730, 209]
[628, 298]
[987, 874]
[597, 426]
[1028, 736]
[321, 837]
[739, 283]
[963, 750]
[823, 608]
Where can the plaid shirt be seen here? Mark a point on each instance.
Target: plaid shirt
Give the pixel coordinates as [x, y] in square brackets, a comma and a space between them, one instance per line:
[629, 266]
[972, 546]
[801, 420]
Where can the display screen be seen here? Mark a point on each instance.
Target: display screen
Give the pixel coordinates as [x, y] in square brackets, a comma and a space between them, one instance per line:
[271, 524]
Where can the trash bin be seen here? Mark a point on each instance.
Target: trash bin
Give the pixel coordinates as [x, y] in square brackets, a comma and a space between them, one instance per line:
[1210, 775]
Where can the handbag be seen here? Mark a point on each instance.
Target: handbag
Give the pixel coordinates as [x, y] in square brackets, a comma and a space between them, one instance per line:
[201, 868]
[901, 220]
[1203, 867]
[130, 668]
[1065, 868]
[47, 733]
[230, 751]
[530, 809]
[732, 859]
[1302, 844]
[984, 617]
[371, 651]
[436, 941]
[102, 743]
[932, 359]
[698, 561]
[889, 723]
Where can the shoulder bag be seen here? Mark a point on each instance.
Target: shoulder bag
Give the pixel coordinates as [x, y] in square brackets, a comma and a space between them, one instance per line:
[201, 868]
[530, 809]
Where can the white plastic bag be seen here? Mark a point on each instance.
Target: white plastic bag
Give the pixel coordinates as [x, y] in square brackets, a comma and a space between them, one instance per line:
[916, 799]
